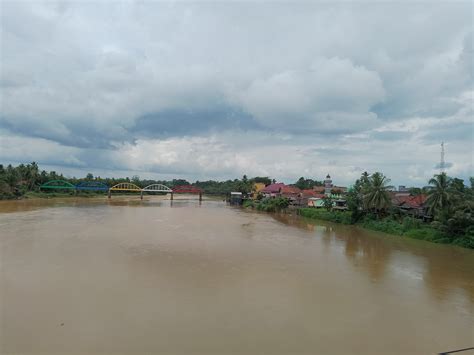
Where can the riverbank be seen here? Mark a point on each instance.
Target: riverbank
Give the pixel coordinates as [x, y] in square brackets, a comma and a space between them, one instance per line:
[408, 227]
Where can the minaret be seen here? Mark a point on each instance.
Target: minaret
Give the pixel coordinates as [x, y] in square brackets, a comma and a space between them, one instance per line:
[442, 163]
[328, 185]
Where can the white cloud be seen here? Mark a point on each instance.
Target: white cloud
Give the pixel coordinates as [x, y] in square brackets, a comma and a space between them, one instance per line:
[330, 95]
[327, 87]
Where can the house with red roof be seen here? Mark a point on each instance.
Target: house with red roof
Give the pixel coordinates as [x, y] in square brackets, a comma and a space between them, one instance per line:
[272, 190]
[292, 193]
[281, 190]
[414, 206]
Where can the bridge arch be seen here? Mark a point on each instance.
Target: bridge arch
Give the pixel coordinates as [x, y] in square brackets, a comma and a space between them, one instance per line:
[58, 185]
[157, 188]
[124, 186]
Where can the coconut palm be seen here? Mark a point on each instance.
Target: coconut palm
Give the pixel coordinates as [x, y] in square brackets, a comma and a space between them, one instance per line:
[375, 193]
[440, 196]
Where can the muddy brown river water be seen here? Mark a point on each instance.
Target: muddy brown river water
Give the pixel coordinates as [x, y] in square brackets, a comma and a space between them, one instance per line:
[92, 276]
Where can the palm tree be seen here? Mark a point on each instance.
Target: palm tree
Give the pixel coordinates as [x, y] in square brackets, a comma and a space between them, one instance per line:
[375, 193]
[440, 196]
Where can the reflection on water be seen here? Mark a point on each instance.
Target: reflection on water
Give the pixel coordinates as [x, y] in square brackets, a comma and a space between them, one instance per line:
[10, 206]
[444, 267]
[128, 276]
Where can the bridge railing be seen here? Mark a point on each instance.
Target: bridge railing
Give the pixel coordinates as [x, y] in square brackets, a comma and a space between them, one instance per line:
[125, 186]
[58, 185]
[157, 188]
[92, 186]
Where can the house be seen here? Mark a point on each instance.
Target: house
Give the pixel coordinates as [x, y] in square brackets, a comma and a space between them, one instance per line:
[305, 195]
[236, 198]
[340, 204]
[272, 190]
[319, 189]
[292, 193]
[257, 189]
[317, 200]
[403, 188]
[414, 206]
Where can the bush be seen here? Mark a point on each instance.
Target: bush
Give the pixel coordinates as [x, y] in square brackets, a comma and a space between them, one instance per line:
[410, 223]
[248, 204]
[426, 233]
[343, 217]
[386, 225]
[271, 204]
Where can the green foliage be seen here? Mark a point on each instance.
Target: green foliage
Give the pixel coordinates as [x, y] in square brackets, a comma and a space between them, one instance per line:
[305, 184]
[375, 193]
[415, 191]
[440, 197]
[411, 223]
[271, 204]
[248, 204]
[328, 203]
[386, 225]
[261, 179]
[15, 182]
[343, 217]
[212, 187]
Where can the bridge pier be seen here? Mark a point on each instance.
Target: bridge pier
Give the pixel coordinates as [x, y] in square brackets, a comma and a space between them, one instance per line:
[171, 197]
[200, 197]
[141, 195]
[110, 194]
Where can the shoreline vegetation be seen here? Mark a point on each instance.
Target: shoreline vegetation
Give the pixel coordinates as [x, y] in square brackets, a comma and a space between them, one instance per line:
[447, 216]
[408, 227]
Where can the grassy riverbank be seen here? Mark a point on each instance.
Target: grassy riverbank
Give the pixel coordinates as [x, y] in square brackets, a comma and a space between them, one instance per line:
[408, 227]
[267, 204]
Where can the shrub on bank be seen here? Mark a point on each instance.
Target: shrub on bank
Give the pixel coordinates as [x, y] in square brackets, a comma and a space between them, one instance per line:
[386, 225]
[268, 204]
[248, 204]
[409, 227]
[343, 217]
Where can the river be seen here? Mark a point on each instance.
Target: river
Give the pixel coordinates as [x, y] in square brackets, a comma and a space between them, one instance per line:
[124, 276]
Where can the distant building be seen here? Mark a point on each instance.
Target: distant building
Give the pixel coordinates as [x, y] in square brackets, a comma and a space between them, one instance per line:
[328, 185]
[319, 189]
[414, 206]
[316, 201]
[272, 190]
[340, 204]
[257, 189]
[236, 198]
[329, 189]
[292, 193]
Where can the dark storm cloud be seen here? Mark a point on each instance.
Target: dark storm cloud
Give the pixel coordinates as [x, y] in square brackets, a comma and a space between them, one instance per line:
[172, 122]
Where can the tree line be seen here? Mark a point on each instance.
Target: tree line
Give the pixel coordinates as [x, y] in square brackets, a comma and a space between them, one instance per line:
[449, 204]
[18, 181]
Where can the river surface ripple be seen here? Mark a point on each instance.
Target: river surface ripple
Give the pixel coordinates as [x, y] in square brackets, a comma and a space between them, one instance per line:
[125, 276]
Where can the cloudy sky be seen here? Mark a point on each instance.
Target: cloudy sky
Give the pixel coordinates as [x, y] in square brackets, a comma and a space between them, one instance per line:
[220, 89]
